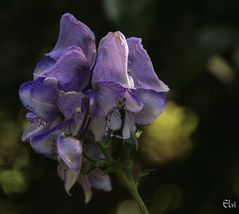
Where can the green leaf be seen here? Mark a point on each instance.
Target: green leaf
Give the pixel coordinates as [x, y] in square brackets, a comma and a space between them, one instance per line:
[144, 173]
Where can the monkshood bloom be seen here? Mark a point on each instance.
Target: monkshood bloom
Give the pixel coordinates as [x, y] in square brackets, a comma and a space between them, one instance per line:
[124, 79]
[72, 118]
[59, 106]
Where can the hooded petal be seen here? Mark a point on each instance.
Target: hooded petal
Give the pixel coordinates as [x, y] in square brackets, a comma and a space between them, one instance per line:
[140, 68]
[112, 60]
[70, 151]
[71, 70]
[154, 104]
[99, 180]
[74, 32]
[85, 183]
[44, 64]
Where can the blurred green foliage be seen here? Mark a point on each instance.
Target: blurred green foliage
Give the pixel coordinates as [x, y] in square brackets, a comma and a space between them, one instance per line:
[193, 146]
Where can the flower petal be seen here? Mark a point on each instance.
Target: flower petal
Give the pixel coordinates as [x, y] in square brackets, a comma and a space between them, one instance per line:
[154, 104]
[85, 183]
[45, 142]
[99, 180]
[112, 60]
[35, 128]
[129, 127]
[140, 67]
[44, 93]
[44, 64]
[74, 32]
[69, 103]
[107, 95]
[97, 126]
[114, 120]
[25, 95]
[69, 176]
[71, 70]
[132, 103]
[70, 151]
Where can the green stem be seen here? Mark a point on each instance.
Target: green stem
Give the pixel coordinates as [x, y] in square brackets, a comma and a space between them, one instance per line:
[132, 188]
[128, 181]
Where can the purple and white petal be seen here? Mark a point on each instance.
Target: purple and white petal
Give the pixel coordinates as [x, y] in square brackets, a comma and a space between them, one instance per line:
[31, 117]
[129, 127]
[69, 176]
[107, 95]
[71, 70]
[35, 128]
[45, 142]
[85, 183]
[74, 32]
[154, 104]
[132, 103]
[70, 151]
[114, 120]
[140, 68]
[44, 94]
[69, 103]
[112, 60]
[99, 180]
[25, 95]
[44, 64]
[45, 146]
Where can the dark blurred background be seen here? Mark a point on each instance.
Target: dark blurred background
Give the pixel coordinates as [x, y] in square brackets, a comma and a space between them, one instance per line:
[193, 145]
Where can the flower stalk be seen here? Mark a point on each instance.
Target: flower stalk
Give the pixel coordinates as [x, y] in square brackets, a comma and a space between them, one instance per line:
[126, 177]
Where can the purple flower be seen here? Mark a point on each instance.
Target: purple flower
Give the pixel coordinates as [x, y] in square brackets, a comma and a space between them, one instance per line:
[64, 109]
[124, 78]
[73, 56]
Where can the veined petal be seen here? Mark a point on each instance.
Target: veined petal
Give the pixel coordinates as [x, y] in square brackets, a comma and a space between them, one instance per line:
[69, 103]
[35, 128]
[112, 61]
[107, 95]
[71, 70]
[140, 68]
[44, 64]
[132, 103]
[46, 146]
[85, 183]
[44, 93]
[45, 142]
[70, 151]
[154, 104]
[99, 180]
[74, 32]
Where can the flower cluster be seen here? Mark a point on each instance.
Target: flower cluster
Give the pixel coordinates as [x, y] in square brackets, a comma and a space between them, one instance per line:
[78, 95]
